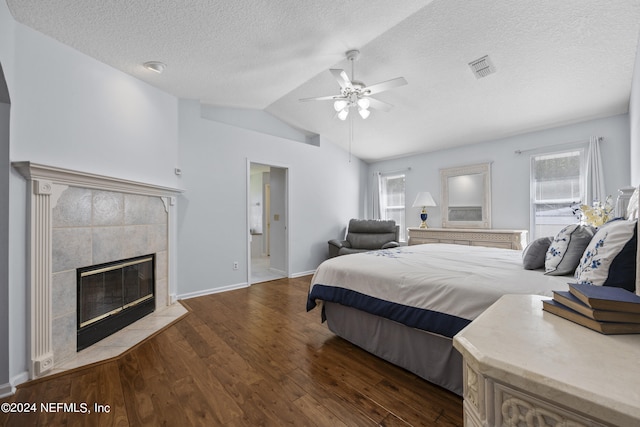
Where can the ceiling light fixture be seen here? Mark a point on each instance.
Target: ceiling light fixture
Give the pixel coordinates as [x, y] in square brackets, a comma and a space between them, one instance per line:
[340, 104]
[155, 66]
[364, 103]
[355, 94]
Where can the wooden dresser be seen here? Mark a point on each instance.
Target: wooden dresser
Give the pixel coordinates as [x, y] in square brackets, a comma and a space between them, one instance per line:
[526, 367]
[493, 238]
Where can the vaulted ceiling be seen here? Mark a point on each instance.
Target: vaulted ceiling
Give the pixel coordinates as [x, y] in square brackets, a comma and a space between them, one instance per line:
[556, 62]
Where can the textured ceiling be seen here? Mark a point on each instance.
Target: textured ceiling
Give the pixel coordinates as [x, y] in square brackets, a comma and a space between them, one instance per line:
[557, 62]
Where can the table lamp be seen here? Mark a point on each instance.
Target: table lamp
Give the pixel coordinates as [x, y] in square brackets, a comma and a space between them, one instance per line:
[423, 200]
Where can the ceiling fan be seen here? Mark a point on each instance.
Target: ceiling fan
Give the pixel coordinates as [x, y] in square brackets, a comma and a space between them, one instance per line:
[354, 93]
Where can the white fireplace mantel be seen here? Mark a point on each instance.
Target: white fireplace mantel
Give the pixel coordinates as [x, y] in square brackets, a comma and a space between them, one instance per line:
[35, 171]
[46, 185]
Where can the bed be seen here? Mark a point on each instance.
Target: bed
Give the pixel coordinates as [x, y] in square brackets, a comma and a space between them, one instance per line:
[405, 304]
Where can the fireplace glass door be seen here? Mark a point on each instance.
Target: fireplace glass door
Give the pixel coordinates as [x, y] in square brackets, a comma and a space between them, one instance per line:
[113, 295]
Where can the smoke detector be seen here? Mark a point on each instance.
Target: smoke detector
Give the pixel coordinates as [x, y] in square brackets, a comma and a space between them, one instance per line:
[482, 67]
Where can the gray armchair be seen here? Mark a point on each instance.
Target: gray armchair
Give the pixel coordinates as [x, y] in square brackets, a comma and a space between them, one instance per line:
[366, 235]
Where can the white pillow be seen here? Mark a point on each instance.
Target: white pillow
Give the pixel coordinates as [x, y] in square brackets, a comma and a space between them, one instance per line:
[610, 258]
[632, 207]
[565, 252]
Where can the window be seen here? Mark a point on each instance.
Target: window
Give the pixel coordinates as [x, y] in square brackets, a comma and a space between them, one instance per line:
[391, 199]
[557, 183]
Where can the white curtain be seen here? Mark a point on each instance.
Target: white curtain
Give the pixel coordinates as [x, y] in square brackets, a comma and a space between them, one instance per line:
[595, 173]
[377, 195]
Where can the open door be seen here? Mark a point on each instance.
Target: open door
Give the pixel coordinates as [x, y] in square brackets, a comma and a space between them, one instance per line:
[266, 218]
[268, 222]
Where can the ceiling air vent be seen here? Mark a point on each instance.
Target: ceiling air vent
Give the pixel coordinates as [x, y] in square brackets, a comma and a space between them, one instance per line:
[482, 67]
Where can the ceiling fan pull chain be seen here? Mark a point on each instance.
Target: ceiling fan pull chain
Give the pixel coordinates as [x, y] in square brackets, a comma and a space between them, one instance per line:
[350, 135]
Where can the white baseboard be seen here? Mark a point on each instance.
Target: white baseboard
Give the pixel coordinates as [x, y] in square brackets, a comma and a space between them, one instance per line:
[212, 291]
[22, 377]
[230, 287]
[6, 390]
[9, 388]
[302, 273]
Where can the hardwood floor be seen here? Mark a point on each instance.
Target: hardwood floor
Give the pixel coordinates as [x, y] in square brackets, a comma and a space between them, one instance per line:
[248, 357]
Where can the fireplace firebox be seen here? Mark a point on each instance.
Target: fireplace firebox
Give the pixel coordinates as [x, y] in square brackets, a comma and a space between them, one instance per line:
[112, 296]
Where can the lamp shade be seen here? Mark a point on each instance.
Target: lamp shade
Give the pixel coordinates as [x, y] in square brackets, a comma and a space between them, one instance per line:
[424, 199]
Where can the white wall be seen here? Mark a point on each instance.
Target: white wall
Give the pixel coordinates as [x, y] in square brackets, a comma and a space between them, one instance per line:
[324, 193]
[71, 111]
[80, 114]
[510, 171]
[634, 121]
[5, 177]
[14, 322]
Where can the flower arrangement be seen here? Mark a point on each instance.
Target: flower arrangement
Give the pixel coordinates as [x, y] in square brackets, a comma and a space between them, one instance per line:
[595, 215]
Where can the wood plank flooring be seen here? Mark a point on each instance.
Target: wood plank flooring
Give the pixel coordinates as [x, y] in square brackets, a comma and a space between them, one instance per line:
[250, 357]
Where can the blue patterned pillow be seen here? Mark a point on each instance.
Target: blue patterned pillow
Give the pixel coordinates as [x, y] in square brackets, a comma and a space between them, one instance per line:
[610, 258]
[565, 252]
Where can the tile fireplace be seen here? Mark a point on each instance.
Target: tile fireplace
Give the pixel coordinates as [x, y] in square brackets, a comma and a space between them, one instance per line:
[78, 219]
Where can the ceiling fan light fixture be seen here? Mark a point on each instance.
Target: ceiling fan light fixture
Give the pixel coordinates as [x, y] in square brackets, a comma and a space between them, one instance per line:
[364, 103]
[355, 93]
[340, 104]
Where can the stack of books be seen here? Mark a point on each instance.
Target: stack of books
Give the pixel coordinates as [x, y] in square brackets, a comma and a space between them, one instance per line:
[605, 309]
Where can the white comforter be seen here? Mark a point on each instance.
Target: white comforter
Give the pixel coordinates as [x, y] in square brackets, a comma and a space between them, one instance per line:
[459, 280]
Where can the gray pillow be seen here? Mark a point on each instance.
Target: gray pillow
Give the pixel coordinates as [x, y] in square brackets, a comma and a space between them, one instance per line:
[535, 253]
[565, 252]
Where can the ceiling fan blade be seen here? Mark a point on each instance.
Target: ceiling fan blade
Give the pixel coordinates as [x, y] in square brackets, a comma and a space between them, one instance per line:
[379, 105]
[323, 98]
[381, 87]
[342, 78]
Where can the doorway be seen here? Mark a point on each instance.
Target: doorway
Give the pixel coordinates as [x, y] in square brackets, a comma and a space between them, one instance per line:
[268, 222]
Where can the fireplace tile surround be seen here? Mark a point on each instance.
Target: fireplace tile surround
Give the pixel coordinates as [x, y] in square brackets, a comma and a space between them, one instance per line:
[76, 220]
